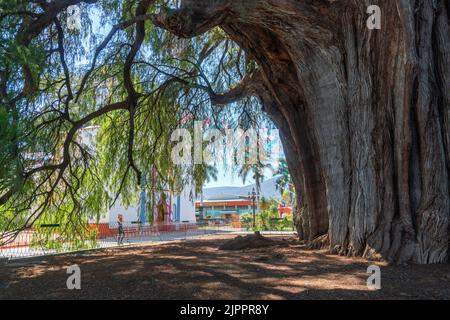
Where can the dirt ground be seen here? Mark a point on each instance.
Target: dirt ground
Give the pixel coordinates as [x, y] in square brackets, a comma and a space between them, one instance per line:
[197, 269]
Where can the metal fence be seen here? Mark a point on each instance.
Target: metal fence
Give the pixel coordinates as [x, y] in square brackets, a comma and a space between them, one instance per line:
[31, 243]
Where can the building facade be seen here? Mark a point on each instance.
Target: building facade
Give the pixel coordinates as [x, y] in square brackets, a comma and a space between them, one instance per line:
[171, 207]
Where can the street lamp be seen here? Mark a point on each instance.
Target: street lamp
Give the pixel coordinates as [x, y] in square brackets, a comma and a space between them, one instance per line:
[252, 197]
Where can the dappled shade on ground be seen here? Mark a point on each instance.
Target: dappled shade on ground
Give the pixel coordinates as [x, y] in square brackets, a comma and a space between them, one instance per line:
[198, 269]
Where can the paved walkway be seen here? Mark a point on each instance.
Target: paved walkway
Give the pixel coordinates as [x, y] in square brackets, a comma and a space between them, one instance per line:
[28, 251]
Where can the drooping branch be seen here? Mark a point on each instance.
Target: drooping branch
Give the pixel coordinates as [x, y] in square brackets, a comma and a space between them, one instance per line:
[66, 149]
[57, 179]
[30, 30]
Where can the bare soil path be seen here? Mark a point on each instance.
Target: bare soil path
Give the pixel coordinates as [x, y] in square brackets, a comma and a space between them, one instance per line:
[197, 269]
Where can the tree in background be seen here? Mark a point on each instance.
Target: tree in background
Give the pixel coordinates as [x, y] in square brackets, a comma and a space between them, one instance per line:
[284, 183]
[257, 170]
[284, 179]
[268, 217]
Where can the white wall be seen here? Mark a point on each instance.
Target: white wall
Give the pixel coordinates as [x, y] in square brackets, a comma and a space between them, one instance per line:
[187, 207]
[129, 214]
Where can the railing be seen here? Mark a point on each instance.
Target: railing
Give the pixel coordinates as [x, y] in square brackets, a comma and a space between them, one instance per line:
[30, 243]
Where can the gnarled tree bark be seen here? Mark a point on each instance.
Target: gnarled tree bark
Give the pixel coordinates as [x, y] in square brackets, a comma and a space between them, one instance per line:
[363, 114]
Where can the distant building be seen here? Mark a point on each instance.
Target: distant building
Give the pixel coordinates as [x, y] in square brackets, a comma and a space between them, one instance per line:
[172, 208]
[220, 208]
[231, 207]
[223, 202]
[177, 209]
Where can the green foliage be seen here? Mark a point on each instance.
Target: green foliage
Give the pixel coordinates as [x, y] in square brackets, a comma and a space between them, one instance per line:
[57, 240]
[7, 159]
[268, 219]
[54, 176]
[284, 183]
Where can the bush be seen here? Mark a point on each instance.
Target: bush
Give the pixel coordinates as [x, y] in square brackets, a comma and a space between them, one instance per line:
[268, 220]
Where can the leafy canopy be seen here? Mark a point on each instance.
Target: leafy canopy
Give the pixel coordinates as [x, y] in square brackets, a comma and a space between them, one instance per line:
[118, 76]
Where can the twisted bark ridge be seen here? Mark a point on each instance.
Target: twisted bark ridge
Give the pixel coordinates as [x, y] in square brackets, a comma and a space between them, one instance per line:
[363, 114]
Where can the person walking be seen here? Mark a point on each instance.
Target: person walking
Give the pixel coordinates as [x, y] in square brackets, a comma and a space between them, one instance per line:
[121, 235]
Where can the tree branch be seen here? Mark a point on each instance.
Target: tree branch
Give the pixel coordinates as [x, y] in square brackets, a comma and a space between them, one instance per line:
[186, 23]
[250, 85]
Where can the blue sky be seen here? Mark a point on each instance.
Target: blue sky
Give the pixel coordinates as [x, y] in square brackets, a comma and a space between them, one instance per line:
[226, 178]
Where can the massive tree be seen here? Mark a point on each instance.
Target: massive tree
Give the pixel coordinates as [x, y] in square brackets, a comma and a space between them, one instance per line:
[363, 114]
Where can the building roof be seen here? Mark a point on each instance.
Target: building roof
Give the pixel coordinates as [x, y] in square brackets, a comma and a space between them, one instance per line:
[230, 202]
[268, 190]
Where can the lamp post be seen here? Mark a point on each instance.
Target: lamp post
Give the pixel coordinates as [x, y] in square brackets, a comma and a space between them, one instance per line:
[201, 208]
[252, 197]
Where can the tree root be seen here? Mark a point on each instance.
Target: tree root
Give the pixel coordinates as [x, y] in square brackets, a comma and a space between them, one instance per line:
[319, 243]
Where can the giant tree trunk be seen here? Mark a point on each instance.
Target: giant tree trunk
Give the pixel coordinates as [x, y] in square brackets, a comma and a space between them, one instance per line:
[363, 114]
